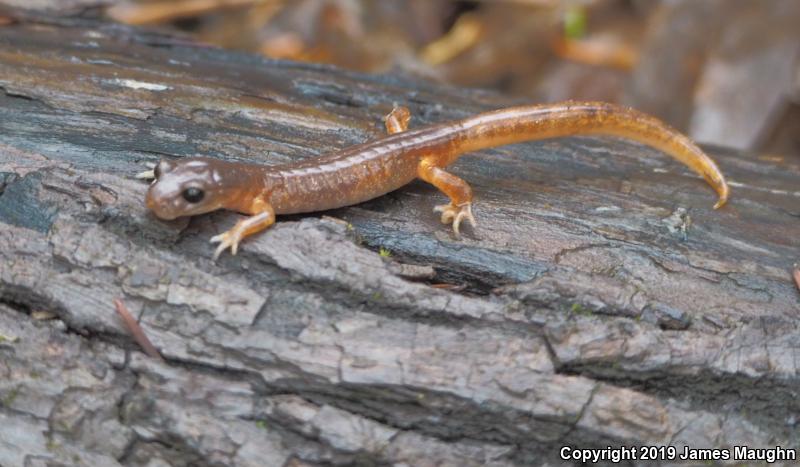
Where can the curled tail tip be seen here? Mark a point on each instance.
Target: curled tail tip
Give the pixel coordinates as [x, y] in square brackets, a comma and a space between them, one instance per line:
[723, 196]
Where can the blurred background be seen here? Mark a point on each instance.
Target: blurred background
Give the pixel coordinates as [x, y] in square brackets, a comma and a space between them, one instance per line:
[724, 71]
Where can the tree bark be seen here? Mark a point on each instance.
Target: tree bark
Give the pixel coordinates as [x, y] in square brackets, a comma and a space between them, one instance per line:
[599, 302]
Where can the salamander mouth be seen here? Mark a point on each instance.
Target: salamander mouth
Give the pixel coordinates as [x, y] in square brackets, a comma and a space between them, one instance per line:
[161, 210]
[165, 217]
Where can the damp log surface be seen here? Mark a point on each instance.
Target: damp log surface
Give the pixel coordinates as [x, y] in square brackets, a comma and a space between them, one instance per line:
[601, 301]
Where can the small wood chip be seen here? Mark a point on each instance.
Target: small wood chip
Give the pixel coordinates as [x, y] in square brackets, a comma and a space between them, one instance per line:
[136, 331]
[412, 271]
[43, 315]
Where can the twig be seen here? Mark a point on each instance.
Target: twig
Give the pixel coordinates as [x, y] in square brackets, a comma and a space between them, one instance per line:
[161, 11]
[136, 331]
[451, 287]
[464, 35]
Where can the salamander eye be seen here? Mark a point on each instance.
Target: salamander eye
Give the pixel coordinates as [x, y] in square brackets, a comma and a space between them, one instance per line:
[193, 195]
[157, 171]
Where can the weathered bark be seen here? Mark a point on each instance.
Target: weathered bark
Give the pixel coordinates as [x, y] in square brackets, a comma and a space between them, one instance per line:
[605, 302]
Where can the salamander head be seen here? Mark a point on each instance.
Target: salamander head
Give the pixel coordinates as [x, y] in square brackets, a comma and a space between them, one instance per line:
[194, 186]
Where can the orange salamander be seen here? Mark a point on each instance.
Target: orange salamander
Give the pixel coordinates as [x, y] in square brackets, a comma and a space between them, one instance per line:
[198, 185]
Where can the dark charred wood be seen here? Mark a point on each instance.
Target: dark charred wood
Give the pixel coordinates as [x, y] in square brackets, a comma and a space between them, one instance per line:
[602, 301]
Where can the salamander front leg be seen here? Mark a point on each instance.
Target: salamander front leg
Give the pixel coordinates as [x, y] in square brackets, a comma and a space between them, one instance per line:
[459, 192]
[397, 120]
[149, 174]
[243, 229]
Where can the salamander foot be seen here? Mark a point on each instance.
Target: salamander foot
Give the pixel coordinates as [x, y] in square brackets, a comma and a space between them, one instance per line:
[229, 239]
[455, 214]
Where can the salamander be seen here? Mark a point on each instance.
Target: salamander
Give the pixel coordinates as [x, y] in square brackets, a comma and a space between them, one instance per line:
[197, 185]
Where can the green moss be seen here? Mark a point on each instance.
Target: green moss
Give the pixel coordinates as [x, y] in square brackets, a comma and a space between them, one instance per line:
[384, 253]
[9, 339]
[9, 398]
[261, 424]
[575, 22]
[579, 309]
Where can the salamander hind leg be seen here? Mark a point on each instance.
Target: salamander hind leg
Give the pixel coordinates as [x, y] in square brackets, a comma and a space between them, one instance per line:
[243, 229]
[460, 206]
[397, 120]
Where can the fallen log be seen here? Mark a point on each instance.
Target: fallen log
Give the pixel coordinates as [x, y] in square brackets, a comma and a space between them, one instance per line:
[600, 302]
